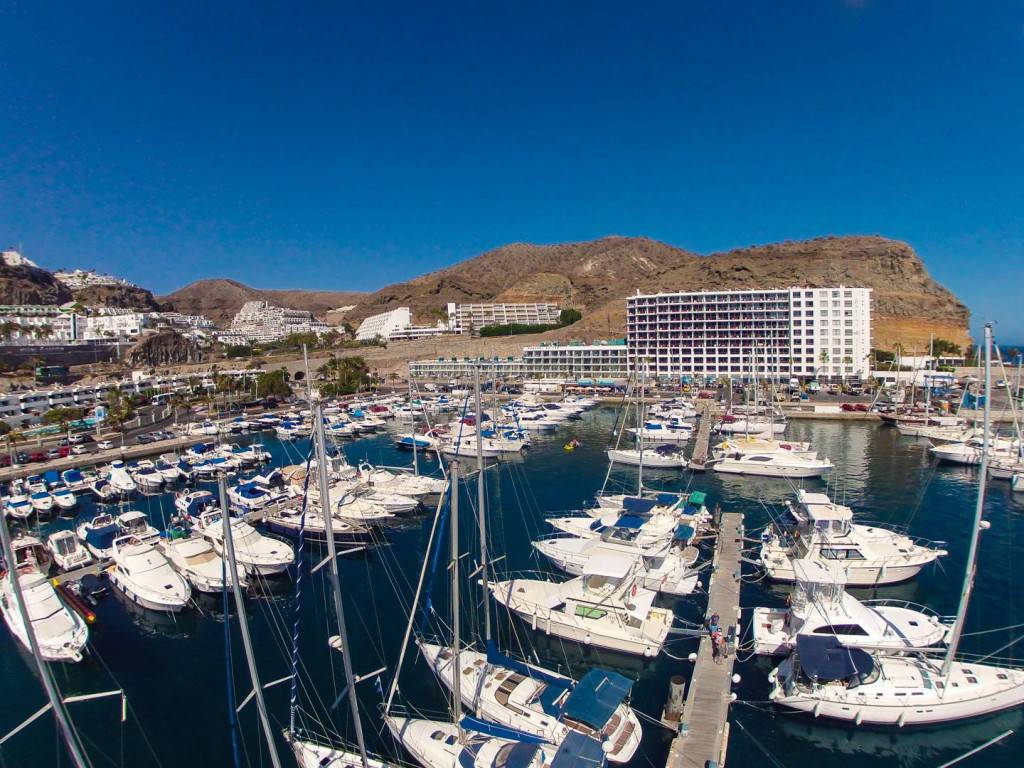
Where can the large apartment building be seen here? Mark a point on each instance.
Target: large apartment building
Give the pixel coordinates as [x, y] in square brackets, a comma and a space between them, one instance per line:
[792, 332]
[259, 321]
[468, 318]
[576, 360]
[52, 324]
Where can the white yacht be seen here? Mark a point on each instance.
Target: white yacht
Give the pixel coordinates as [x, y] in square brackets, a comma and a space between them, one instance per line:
[751, 425]
[668, 569]
[67, 551]
[826, 679]
[969, 451]
[666, 456]
[604, 608]
[59, 631]
[194, 558]
[439, 744]
[136, 523]
[669, 431]
[741, 444]
[817, 529]
[402, 483]
[120, 480]
[259, 554]
[98, 535]
[18, 506]
[775, 464]
[102, 490]
[64, 498]
[143, 575]
[533, 700]
[41, 501]
[820, 605]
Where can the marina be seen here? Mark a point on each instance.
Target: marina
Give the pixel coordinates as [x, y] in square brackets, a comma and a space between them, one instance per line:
[710, 725]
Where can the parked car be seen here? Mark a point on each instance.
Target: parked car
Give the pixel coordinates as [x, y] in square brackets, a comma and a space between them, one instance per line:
[79, 450]
[142, 439]
[76, 439]
[64, 451]
[53, 453]
[37, 456]
[104, 445]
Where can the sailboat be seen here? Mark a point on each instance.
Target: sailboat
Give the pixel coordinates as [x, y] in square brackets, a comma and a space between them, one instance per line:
[829, 679]
[666, 455]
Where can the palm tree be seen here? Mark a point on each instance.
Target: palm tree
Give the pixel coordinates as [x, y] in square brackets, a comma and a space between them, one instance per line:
[44, 331]
[9, 329]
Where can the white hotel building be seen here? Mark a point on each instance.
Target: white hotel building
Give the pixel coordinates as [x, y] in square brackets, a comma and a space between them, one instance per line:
[799, 333]
[467, 318]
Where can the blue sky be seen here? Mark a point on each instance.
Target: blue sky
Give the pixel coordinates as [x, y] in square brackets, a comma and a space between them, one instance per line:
[343, 145]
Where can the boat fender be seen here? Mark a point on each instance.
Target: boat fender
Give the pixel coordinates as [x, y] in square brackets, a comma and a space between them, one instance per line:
[817, 709]
[648, 652]
[859, 717]
[903, 719]
[586, 639]
[533, 624]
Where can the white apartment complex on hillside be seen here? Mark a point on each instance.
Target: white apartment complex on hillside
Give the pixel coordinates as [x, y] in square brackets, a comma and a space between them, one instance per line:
[259, 321]
[395, 325]
[467, 318]
[50, 324]
[793, 332]
[76, 279]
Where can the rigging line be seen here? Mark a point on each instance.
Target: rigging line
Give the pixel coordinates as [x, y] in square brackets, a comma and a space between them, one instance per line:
[977, 749]
[294, 692]
[229, 669]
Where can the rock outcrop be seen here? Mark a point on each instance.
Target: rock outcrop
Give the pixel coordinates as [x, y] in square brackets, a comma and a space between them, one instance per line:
[120, 296]
[163, 348]
[30, 285]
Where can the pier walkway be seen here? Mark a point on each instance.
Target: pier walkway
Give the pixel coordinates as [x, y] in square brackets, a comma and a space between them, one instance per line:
[704, 725]
[702, 446]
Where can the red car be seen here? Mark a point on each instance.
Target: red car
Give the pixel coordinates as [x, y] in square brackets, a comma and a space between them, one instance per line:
[37, 456]
[65, 451]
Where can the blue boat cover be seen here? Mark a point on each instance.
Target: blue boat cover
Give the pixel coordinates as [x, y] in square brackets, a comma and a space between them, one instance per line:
[683, 533]
[498, 659]
[502, 732]
[595, 697]
[629, 521]
[51, 476]
[595, 525]
[578, 750]
[102, 538]
[667, 498]
[638, 505]
[550, 696]
[72, 476]
[823, 657]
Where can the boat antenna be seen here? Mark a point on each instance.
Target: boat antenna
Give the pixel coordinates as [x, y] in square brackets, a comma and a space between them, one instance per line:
[243, 621]
[972, 553]
[481, 511]
[327, 513]
[67, 730]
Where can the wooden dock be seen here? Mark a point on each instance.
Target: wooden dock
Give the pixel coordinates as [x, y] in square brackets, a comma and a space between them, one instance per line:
[704, 725]
[702, 446]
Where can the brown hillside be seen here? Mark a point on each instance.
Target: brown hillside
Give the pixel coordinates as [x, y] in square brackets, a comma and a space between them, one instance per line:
[120, 296]
[219, 299]
[597, 276]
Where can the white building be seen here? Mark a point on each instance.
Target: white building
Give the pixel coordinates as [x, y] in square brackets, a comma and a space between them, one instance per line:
[792, 332]
[179, 320]
[13, 258]
[576, 360]
[50, 324]
[468, 318]
[259, 321]
[384, 324]
[462, 367]
[76, 279]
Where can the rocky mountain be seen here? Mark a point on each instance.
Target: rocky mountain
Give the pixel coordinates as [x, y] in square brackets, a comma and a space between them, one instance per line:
[219, 299]
[597, 276]
[121, 296]
[30, 285]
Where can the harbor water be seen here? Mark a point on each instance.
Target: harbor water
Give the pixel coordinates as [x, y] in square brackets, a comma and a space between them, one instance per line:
[172, 669]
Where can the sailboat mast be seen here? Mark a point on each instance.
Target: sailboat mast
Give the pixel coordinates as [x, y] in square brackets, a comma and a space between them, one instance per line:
[456, 666]
[640, 430]
[327, 513]
[972, 553]
[481, 509]
[243, 623]
[412, 416]
[56, 702]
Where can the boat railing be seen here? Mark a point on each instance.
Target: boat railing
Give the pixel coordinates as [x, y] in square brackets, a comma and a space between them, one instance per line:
[894, 602]
[921, 541]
